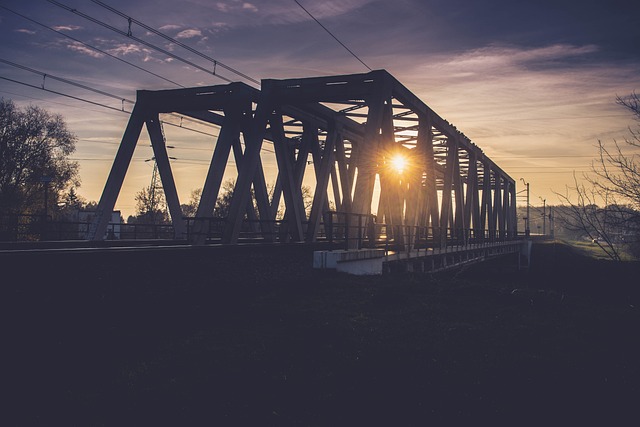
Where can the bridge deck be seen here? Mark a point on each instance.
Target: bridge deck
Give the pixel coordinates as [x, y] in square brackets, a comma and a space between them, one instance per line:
[376, 261]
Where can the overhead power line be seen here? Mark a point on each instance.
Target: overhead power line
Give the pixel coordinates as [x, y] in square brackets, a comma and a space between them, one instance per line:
[64, 94]
[101, 51]
[147, 44]
[69, 82]
[332, 35]
[77, 98]
[176, 42]
[98, 91]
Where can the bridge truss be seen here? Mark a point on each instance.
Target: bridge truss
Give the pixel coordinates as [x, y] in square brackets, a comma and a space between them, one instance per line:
[349, 128]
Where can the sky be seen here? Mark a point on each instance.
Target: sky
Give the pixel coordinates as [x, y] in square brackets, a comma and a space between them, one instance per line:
[534, 84]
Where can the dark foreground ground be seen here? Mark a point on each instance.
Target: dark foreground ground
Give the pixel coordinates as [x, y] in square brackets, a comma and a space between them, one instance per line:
[205, 337]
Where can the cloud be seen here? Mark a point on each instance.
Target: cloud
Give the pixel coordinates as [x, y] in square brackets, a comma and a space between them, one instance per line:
[67, 28]
[250, 7]
[25, 31]
[170, 27]
[131, 49]
[500, 59]
[330, 8]
[218, 27]
[235, 6]
[80, 48]
[507, 106]
[125, 49]
[188, 34]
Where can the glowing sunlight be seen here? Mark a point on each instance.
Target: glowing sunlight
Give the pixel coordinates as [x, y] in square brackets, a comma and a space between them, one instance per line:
[398, 163]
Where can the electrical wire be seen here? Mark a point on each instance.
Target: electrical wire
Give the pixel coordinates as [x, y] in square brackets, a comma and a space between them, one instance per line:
[139, 40]
[48, 101]
[331, 34]
[91, 47]
[63, 80]
[99, 104]
[67, 81]
[64, 94]
[176, 42]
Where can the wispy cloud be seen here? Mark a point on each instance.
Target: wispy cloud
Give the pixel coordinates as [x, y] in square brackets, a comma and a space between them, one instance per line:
[80, 48]
[223, 7]
[280, 12]
[188, 34]
[126, 49]
[25, 31]
[170, 27]
[326, 9]
[235, 5]
[500, 59]
[249, 6]
[67, 28]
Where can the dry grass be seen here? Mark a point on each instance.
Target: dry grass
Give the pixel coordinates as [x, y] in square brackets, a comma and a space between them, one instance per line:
[592, 250]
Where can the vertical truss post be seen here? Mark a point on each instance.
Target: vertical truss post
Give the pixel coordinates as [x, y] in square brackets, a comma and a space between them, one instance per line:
[286, 168]
[459, 221]
[322, 182]
[300, 162]
[446, 214]
[250, 209]
[345, 177]
[316, 156]
[414, 198]
[254, 135]
[471, 207]
[513, 212]
[506, 211]
[497, 206]
[369, 152]
[335, 186]
[486, 211]
[390, 185]
[425, 142]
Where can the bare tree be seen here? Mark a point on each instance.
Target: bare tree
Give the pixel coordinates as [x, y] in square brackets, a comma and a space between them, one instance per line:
[151, 207]
[613, 184]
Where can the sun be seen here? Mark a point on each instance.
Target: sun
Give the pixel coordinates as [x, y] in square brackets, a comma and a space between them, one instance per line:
[398, 163]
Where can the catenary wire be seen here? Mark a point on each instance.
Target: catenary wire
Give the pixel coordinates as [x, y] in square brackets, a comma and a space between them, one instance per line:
[103, 52]
[332, 35]
[177, 42]
[70, 82]
[139, 40]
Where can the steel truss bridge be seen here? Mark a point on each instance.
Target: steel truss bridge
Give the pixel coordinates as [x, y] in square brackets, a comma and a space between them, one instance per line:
[348, 129]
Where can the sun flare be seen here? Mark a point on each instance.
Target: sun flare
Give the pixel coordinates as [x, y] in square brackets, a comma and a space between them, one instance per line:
[398, 163]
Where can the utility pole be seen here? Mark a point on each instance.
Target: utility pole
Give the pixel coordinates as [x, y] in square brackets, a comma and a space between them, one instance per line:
[544, 216]
[527, 230]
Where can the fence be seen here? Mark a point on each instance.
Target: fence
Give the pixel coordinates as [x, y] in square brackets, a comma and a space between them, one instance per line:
[356, 231]
[340, 229]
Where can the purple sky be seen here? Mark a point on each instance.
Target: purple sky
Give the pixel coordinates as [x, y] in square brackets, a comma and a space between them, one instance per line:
[532, 83]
